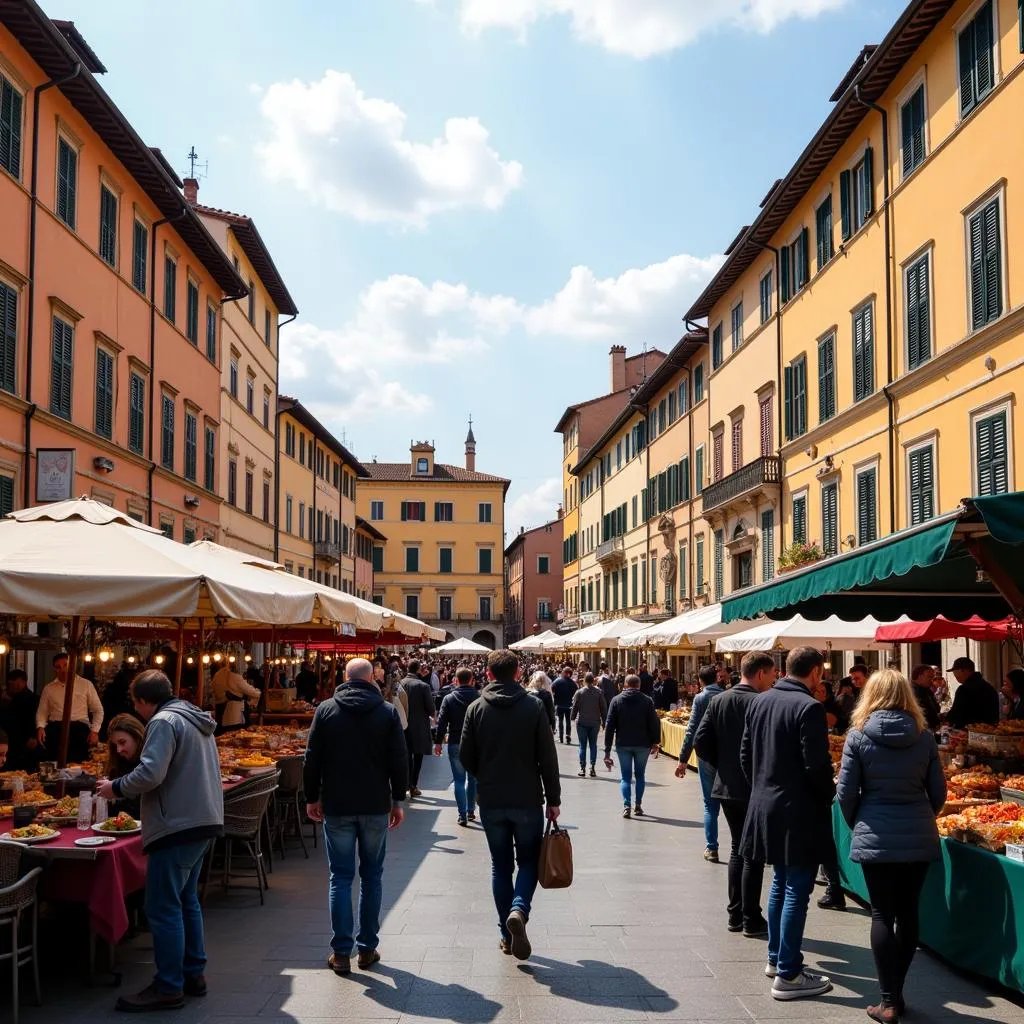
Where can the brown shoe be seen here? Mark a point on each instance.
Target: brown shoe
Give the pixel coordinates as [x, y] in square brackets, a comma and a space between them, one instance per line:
[195, 986]
[150, 999]
[367, 958]
[415, 792]
[516, 928]
[505, 946]
[340, 964]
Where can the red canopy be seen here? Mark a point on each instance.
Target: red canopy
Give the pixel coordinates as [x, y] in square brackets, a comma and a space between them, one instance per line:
[941, 628]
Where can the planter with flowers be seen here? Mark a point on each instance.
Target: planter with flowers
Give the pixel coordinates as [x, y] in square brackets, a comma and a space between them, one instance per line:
[798, 555]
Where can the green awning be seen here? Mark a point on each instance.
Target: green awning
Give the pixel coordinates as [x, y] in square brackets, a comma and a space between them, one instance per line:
[921, 572]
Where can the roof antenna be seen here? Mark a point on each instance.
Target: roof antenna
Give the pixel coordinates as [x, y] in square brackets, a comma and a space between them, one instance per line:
[193, 160]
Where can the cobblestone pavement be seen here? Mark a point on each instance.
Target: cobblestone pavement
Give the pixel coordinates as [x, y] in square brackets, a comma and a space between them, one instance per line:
[640, 936]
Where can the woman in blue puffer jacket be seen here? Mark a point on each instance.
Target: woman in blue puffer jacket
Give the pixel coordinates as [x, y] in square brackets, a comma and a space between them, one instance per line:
[890, 789]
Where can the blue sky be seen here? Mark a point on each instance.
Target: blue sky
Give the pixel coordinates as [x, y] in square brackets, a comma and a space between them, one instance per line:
[472, 200]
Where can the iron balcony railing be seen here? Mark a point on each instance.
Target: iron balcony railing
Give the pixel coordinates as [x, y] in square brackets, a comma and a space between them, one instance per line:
[328, 550]
[611, 550]
[765, 470]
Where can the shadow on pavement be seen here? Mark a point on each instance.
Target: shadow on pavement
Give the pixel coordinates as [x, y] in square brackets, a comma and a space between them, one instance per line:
[596, 983]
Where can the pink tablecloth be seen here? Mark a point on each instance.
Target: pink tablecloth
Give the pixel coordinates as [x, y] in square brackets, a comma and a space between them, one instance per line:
[100, 877]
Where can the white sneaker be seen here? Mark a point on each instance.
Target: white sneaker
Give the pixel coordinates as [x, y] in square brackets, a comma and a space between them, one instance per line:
[804, 986]
[770, 970]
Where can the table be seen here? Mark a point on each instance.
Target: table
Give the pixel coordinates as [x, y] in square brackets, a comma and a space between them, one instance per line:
[286, 718]
[672, 735]
[972, 906]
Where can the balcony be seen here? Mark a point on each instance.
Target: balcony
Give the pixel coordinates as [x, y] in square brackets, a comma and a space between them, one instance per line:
[611, 552]
[327, 551]
[746, 484]
[495, 618]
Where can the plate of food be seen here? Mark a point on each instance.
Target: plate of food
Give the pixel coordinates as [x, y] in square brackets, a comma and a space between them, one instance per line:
[63, 812]
[119, 825]
[34, 798]
[231, 778]
[31, 834]
[95, 841]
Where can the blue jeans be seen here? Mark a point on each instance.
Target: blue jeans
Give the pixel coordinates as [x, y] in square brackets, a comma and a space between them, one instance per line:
[587, 734]
[465, 784]
[633, 759]
[342, 835]
[711, 805]
[787, 913]
[513, 837]
[175, 917]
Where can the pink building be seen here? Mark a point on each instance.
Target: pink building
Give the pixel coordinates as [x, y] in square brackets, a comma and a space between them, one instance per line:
[533, 579]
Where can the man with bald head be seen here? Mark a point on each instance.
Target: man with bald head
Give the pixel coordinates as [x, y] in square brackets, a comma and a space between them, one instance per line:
[355, 777]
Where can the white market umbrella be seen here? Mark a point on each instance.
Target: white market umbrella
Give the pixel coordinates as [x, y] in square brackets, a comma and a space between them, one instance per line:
[594, 637]
[832, 633]
[691, 629]
[533, 644]
[461, 646]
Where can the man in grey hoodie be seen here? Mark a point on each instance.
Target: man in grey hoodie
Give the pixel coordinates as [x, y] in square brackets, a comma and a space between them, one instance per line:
[178, 780]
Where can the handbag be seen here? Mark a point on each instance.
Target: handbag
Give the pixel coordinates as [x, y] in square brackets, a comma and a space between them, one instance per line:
[555, 869]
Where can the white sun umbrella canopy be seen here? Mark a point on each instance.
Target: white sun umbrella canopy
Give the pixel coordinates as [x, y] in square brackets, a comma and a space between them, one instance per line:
[832, 633]
[461, 645]
[534, 644]
[691, 629]
[594, 637]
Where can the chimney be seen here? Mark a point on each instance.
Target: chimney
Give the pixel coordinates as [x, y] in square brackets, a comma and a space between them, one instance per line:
[191, 190]
[560, 513]
[470, 448]
[618, 361]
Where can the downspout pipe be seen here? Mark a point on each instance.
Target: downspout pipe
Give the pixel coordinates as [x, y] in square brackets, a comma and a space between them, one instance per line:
[887, 222]
[277, 443]
[31, 317]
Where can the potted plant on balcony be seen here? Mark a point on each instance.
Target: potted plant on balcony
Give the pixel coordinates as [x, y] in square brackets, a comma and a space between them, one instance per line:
[799, 554]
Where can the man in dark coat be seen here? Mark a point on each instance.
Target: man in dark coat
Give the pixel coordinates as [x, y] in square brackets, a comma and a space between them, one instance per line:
[418, 702]
[718, 743]
[785, 757]
[923, 679]
[607, 685]
[668, 690]
[18, 718]
[563, 689]
[975, 701]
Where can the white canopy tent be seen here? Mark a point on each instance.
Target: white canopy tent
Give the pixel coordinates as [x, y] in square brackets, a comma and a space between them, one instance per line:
[461, 646]
[594, 637]
[691, 629]
[532, 644]
[832, 633]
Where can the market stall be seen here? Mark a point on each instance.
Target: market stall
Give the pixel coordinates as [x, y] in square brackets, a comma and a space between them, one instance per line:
[461, 646]
[597, 636]
[534, 644]
[832, 633]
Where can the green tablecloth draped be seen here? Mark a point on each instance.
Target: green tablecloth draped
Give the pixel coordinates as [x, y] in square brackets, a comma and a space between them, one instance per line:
[972, 906]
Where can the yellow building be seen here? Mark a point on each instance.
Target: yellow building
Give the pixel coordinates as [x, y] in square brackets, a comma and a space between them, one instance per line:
[316, 527]
[249, 339]
[445, 528]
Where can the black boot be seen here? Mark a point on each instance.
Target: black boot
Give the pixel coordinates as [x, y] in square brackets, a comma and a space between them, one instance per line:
[833, 899]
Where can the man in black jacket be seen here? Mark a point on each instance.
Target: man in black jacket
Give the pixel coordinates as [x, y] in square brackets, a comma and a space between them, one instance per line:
[975, 701]
[563, 689]
[634, 723]
[418, 700]
[785, 757]
[508, 746]
[668, 689]
[718, 743]
[355, 776]
[450, 720]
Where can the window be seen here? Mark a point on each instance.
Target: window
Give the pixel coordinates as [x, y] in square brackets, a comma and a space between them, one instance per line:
[918, 293]
[266, 327]
[976, 59]
[60, 368]
[991, 454]
[794, 265]
[823, 232]
[716, 347]
[376, 510]
[192, 312]
[767, 425]
[167, 432]
[698, 469]
[104, 415]
[765, 290]
[289, 440]
[444, 512]
[11, 103]
[867, 506]
[210, 460]
[211, 334]
[140, 255]
[233, 388]
[422, 465]
[485, 511]
[288, 514]
[684, 397]
[654, 581]
[719, 564]
[248, 491]
[412, 559]
[767, 545]
[302, 519]
[485, 609]
[167, 528]
[863, 353]
[986, 267]
[170, 288]
[188, 534]
[8, 336]
[378, 558]
[302, 437]
[444, 607]
[250, 394]
[191, 445]
[671, 417]
[662, 424]
[857, 194]
[444, 560]
[737, 444]
[717, 457]
[736, 319]
[796, 398]
[684, 478]
[136, 412]
[484, 556]
[921, 471]
[830, 519]
[543, 565]
[912, 124]
[108, 226]
[699, 565]
[414, 511]
[412, 605]
[800, 519]
[698, 383]
[67, 182]
[826, 378]
[266, 410]
[252, 303]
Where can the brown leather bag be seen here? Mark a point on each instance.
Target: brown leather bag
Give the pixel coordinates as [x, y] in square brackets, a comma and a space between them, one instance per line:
[555, 870]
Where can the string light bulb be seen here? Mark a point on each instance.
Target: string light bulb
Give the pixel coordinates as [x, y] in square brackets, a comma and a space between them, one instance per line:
[206, 659]
[131, 659]
[5, 645]
[827, 665]
[190, 660]
[231, 659]
[87, 657]
[105, 655]
[247, 658]
[217, 656]
[159, 659]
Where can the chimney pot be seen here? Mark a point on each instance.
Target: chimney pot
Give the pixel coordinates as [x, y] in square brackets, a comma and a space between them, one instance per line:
[191, 190]
[617, 356]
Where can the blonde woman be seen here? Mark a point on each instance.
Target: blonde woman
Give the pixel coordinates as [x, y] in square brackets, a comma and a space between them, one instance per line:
[540, 686]
[890, 789]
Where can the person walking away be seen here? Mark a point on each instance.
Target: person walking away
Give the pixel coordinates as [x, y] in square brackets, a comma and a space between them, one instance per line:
[890, 789]
[450, 720]
[178, 784]
[355, 775]
[588, 711]
[923, 683]
[606, 684]
[18, 717]
[510, 749]
[86, 714]
[718, 744]
[1013, 691]
[419, 710]
[540, 687]
[563, 689]
[634, 728]
[646, 682]
[785, 757]
[710, 688]
[975, 701]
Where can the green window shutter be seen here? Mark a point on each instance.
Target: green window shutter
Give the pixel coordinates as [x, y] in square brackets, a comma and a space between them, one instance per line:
[976, 231]
[922, 490]
[108, 226]
[867, 507]
[60, 369]
[984, 64]
[826, 379]
[6, 495]
[8, 336]
[699, 470]
[209, 465]
[767, 545]
[10, 128]
[966, 52]
[684, 471]
[104, 393]
[991, 454]
[907, 136]
[845, 206]
[788, 401]
[805, 257]
[829, 519]
[1020, 25]
[993, 265]
[868, 203]
[784, 273]
[67, 182]
[800, 520]
[918, 314]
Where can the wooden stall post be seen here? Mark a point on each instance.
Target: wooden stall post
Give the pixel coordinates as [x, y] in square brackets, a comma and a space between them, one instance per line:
[180, 661]
[69, 691]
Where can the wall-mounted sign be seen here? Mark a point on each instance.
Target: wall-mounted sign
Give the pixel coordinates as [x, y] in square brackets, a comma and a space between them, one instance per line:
[55, 474]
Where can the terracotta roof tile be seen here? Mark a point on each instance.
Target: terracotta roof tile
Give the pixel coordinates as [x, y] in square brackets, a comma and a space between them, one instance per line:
[396, 472]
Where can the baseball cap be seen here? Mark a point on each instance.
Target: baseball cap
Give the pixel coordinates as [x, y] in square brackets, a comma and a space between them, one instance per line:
[961, 664]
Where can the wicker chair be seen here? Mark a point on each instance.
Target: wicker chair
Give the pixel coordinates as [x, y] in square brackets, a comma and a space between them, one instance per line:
[244, 811]
[288, 803]
[18, 896]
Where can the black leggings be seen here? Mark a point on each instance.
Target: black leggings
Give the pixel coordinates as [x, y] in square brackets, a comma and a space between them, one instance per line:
[895, 892]
[565, 720]
[415, 764]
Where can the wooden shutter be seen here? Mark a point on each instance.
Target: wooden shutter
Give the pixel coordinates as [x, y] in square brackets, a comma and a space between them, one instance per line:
[6, 495]
[767, 426]
[829, 519]
[991, 453]
[800, 520]
[737, 444]
[719, 563]
[800, 397]
[965, 45]
[984, 68]
[922, 493]
[67, 160]
[699, 470]
[10, 127]
[104, 393]
[784, 268]
[912, 131]
[60, 371]
[684, 478]
[868, 183]
[863, 355]
[918, 314]
[845, 212]
[805, 258]
[718, 456]
[8, 336]
[826, 379]
[867, 507]
[992, 265]
[767, 545]
[788, 401]
[140, 239]
[699, 582]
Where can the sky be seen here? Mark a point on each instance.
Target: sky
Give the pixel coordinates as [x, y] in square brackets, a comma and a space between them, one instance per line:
[471, 201]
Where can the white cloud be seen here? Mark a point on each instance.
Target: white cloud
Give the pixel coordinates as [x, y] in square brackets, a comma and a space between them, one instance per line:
[348, 152]
[640, 28]
[533, 508]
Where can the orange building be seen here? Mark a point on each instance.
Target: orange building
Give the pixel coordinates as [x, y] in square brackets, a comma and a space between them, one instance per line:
[533, 580]
[110, 297]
